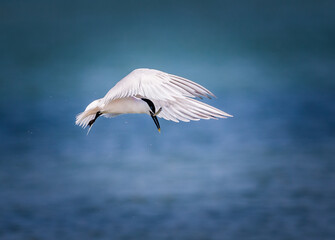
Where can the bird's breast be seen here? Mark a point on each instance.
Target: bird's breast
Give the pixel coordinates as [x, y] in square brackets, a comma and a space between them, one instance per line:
[126, 105]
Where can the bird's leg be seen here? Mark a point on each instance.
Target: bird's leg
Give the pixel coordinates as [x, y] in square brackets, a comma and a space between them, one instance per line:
[159, 110]
[95, 118]
[90, 124]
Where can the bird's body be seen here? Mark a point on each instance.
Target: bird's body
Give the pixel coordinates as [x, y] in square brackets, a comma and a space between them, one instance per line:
[126, 105]
[155, 93]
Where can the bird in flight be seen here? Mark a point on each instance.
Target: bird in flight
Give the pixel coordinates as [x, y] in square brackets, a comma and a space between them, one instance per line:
[155, 93]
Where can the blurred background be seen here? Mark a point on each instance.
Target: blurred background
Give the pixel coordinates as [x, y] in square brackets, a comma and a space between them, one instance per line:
[267, 173]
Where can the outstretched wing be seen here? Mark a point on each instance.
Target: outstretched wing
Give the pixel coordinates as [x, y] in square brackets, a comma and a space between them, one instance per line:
[155, 85]
[171, 93]
[187, 109]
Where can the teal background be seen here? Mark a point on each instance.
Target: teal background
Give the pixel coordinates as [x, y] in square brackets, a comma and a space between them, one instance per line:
[267, 173]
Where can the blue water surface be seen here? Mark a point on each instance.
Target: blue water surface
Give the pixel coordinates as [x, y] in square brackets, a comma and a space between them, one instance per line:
[267, 173]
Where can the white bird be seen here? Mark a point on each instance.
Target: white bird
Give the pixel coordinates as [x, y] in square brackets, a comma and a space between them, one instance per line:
[146, 90]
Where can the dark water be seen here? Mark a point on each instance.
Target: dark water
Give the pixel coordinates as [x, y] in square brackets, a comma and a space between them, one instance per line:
[268, 173]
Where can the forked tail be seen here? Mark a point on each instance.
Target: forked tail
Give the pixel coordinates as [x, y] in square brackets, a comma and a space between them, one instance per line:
[84, 118]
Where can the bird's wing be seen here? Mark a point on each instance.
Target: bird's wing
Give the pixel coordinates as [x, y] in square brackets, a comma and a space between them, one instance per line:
[186, 109]
[155, 85]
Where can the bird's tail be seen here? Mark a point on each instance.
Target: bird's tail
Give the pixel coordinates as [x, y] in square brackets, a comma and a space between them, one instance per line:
[82, 119]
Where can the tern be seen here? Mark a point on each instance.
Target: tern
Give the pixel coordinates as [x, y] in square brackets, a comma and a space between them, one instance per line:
[155, 93]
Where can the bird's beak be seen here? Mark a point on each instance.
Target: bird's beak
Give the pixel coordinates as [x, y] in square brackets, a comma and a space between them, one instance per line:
[156, 122]
[153, 115]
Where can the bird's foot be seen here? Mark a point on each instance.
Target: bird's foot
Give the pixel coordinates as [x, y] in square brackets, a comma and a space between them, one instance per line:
[155, 114]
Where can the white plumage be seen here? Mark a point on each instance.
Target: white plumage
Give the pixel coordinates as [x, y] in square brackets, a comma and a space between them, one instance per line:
[142, 88]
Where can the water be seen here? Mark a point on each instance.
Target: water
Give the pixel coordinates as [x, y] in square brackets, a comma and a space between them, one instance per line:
[268, 173]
